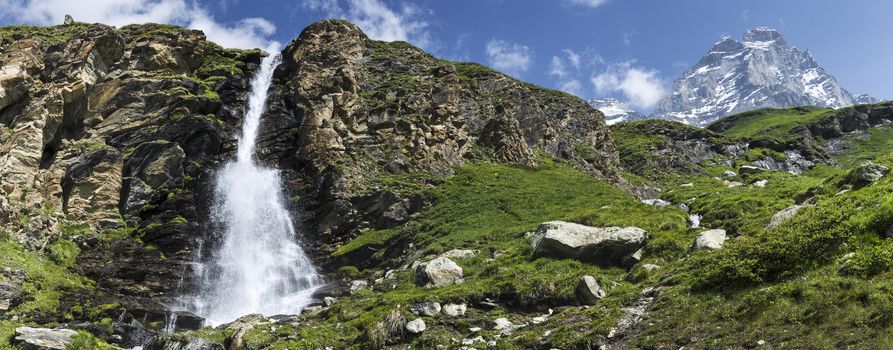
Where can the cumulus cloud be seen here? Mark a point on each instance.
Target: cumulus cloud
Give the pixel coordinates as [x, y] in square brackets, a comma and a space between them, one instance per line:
[643, 87]
[508, 57]
[587, 3]
[246, 33]
[407, 22]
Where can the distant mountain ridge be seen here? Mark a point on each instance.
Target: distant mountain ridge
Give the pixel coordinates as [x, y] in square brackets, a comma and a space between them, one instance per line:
[615, 110]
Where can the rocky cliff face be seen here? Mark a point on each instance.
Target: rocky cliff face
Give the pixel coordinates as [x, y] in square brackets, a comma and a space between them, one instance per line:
[761, 71]
[109, 138]
[350, 111]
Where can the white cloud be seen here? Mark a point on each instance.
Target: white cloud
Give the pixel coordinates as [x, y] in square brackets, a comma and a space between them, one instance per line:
[379, 21]
[574, 58]
[246, 33]
[587, 3]
[557, 68]
[745, 15]
[643, 87]
[509, 57]
[567, 69]
[628, 37]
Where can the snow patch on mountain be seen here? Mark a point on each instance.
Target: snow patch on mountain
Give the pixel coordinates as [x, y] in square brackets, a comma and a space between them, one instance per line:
[615, 110]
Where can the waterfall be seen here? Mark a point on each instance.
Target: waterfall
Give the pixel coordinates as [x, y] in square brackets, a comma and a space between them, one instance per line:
[256, 265]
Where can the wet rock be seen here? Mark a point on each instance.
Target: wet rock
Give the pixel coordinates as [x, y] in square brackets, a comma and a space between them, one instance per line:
[438, 273]
[425, 309]
[710, 240]
[601, 245]
[416, 326]
[588, 291]
[188, 321]
[454, 310]
[43, 338]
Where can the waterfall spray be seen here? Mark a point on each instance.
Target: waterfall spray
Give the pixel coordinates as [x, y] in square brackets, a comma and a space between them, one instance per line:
[258, 266]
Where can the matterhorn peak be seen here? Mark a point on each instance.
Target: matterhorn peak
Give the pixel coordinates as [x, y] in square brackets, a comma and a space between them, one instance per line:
[761, 71]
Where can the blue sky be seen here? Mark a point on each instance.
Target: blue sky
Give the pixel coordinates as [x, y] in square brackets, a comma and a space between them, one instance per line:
[593, 48]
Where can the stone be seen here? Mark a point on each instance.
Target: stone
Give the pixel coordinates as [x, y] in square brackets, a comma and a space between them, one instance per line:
[711, 239]
[416, 326]
[10, 289]
[784, 215]
[357, 285]
[650, 267]
[871, 172]
[749, 170]
[68, 20]
[656, 202]
[438, 272]
[43, 338]
[329, 301]
[503, 326]
[729, 173]
[188, 321]
[459, 254]
[425, 309]
[454, 310]
[601, 245]
[761, 183]
[242, 326]
[588, 291]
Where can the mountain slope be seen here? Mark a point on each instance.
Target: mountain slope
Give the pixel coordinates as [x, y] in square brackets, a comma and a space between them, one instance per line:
[615, 110]
[761, 71]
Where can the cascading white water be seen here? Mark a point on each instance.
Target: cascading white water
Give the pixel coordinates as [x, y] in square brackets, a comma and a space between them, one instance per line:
[258, 266]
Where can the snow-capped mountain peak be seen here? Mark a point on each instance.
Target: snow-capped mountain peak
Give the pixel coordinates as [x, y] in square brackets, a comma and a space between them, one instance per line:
[757, 72]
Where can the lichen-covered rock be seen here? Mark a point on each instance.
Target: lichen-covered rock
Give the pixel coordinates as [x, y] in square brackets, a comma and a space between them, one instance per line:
[601, 245]
[454, 310]
[43, 338]
[709, 240]
[425, 309]
[416, 326]
[588, 291]
[438, 272]
[870, 172]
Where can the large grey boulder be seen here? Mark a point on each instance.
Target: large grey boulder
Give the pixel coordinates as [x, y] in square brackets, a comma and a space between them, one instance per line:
[588, 291]
[438, 272]
[43, 338]
[783, 215]
[600, 245]
[712, 239]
